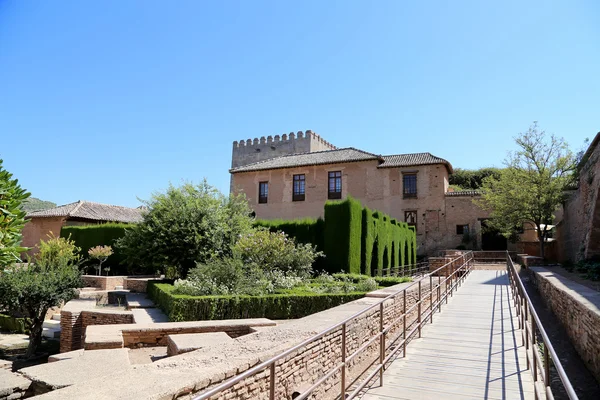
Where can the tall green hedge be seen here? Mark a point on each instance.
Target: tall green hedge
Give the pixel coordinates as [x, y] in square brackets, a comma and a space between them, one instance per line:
[88, 236]
[343, 235]
[354, 238]
[274, 306]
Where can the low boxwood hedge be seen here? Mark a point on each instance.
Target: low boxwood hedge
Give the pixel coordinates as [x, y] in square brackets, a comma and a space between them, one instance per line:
[272, 306]
[383, 281]
[12, 324]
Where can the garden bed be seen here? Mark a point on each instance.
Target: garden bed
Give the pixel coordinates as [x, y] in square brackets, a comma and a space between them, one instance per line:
[292, 303]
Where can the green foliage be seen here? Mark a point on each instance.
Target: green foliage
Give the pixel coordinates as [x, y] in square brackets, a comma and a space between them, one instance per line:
[13, 324]
[31, 289]
[12, 218]
[272, 251]
[34, 204]
[262, 262]
[383, 281]
[343, 231]
[532, 185]
[185, 225]
[100, 253]
[589, 268]
[272, 306]
[89, 236]
[471, 179]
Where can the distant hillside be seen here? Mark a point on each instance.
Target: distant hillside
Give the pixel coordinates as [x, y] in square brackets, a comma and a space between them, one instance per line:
[35, 204]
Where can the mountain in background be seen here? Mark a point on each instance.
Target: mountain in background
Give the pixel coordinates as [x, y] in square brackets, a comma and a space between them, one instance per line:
[35, 204]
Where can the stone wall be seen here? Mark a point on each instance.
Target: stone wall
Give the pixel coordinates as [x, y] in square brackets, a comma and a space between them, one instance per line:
[577, 307]
[37, 229]
[73, 324]
[578, 233]
[248, 151]
[103, 282]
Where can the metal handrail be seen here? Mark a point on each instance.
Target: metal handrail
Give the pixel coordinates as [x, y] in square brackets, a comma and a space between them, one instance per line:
[467, 261]
[528, 316]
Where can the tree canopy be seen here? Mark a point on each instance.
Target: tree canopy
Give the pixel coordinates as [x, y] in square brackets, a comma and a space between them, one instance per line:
[472, 179]
[48, 281]
[12, 217]
[532, 185]
[186, 225]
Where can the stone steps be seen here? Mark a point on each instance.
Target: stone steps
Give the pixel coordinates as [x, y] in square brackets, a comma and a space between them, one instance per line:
[51, 324]
[56, 317]
[51, 333]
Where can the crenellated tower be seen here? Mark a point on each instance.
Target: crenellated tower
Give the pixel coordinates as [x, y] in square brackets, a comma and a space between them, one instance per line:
[259, 149]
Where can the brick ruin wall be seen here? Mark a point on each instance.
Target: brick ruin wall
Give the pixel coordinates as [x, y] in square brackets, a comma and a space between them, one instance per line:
[578, 234]
[576, 312]
[135, 284]
[73, 324]
[301, 369]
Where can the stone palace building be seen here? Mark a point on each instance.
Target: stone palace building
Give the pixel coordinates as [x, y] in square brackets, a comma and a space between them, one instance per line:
[292, 176]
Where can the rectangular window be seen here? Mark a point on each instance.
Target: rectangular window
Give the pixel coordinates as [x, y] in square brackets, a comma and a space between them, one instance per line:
[410, 217]
[299, 188]
[409, 185]
[334, 190]
[263, 192]
[462, 229]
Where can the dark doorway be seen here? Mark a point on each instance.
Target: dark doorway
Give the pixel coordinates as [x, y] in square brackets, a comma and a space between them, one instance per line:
[491, 239]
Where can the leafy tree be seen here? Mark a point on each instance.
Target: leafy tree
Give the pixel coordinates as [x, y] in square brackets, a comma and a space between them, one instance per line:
[471, 179]
[31, 289]
[532, 185]
[12, 218]
[185, 225]
[100, 253]
[35, 204]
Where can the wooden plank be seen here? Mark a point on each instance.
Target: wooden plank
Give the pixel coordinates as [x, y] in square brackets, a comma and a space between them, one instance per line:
[471, 351]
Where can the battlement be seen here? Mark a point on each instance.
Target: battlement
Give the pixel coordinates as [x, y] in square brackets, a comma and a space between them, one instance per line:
[264, 148]
[310, 135]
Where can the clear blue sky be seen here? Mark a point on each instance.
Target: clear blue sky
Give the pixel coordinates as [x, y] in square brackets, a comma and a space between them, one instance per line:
[112, 100]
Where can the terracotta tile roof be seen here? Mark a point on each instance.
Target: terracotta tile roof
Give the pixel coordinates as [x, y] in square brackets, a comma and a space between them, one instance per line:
[92, 211]
[348, 154]
[404, 160]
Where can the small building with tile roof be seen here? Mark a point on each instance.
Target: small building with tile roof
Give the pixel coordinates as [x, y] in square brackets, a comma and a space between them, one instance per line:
[42, 223]
[292, 176]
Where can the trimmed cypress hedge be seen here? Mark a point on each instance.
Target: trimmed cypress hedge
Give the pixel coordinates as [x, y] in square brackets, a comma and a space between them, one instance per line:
[88, 236]
[273, 306]
[354, 238]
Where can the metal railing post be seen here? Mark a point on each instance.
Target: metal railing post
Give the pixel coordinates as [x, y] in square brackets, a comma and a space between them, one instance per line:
[533, 350]
[381, 344]
[546, 366]
[419, 309]
[343, 377]
[272, 383]
[439, 298]
[404, 327]
[430, 299]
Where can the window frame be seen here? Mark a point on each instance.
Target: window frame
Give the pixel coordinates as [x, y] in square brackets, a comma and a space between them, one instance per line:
[408, 213]
[405, 193]
[263, 199]
[336, 177]
[300, 194]
[464, 229]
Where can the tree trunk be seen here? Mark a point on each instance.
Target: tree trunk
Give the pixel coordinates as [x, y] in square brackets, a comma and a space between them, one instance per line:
[542, 243]
[35, 336]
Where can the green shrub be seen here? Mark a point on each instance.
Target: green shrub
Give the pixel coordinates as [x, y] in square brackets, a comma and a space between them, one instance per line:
[272, 306]
[275, 251]
[383, 281]
[186, 225]
[90, 236]
[13, 324]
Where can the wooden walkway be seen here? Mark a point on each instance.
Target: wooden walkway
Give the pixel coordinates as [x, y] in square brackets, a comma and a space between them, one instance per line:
[471, 351]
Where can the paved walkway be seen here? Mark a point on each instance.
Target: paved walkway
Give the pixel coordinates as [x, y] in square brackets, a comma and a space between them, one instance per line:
[471, 351]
